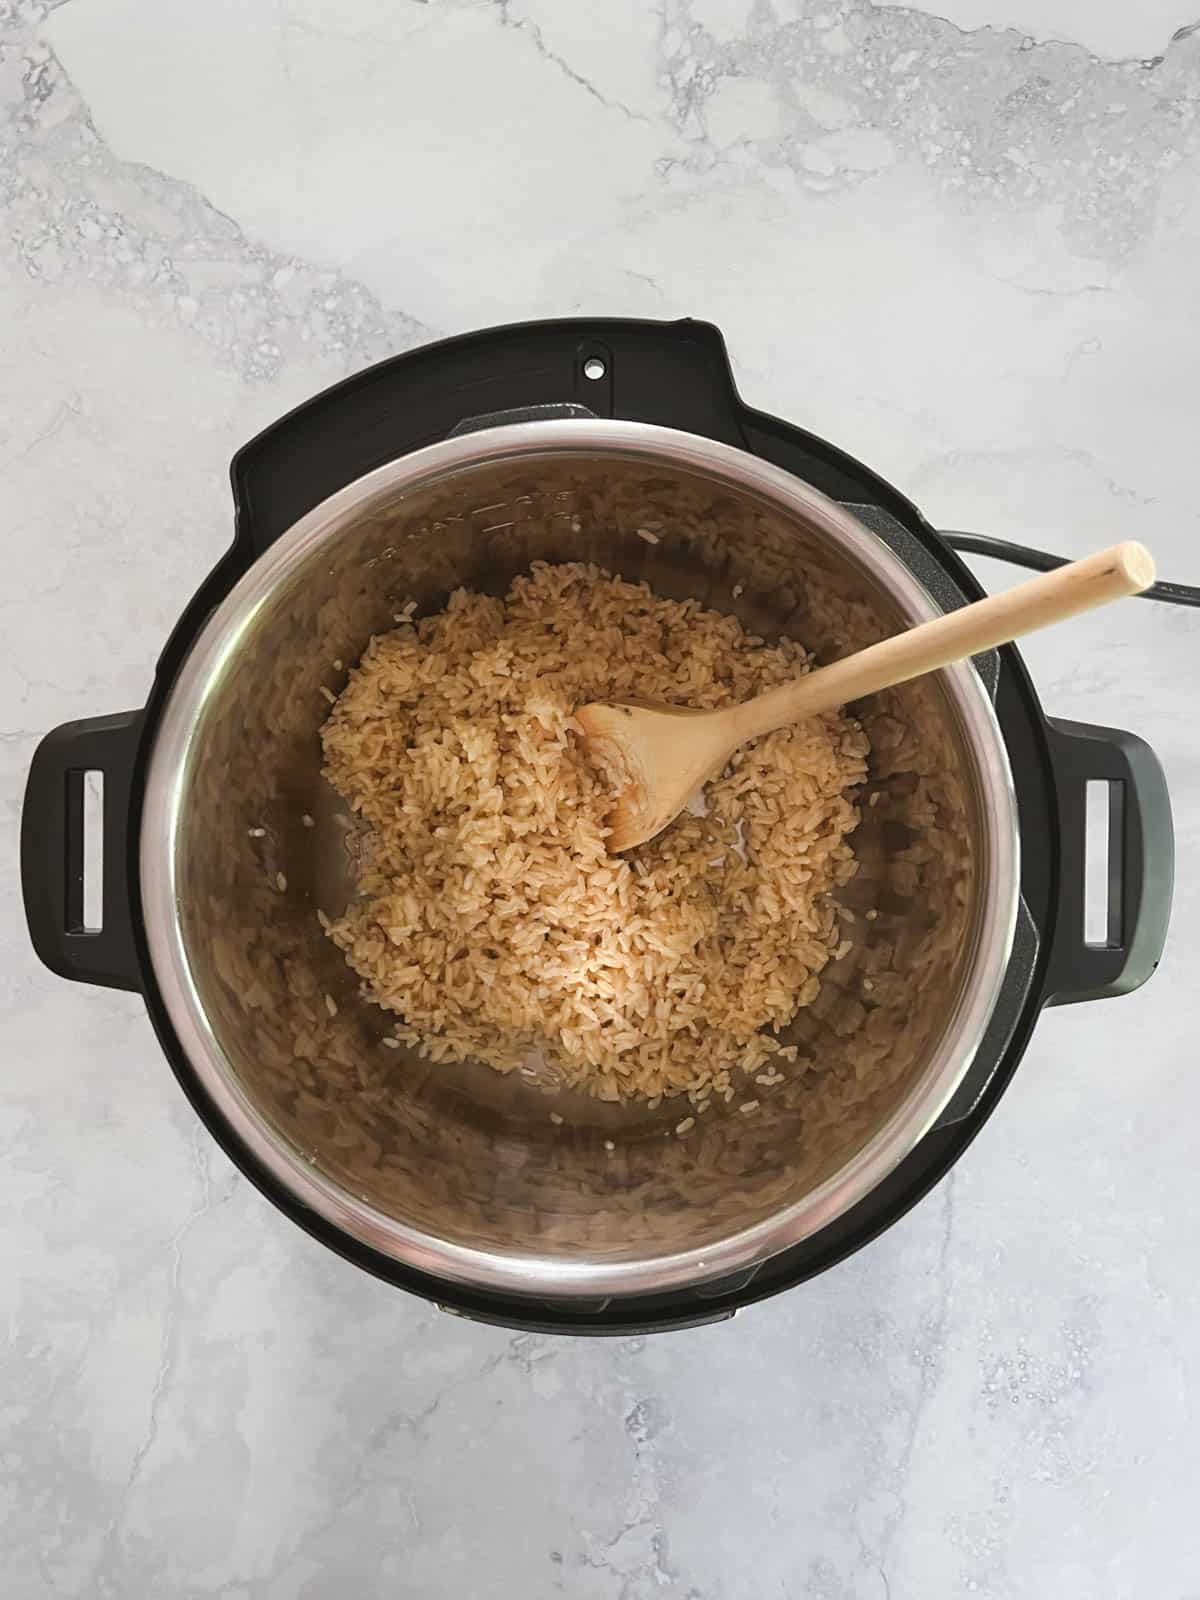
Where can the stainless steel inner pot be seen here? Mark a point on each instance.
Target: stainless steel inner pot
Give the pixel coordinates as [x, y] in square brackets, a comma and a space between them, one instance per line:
[458, 1171]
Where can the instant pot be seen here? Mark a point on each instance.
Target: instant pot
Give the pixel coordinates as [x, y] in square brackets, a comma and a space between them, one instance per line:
[459, 464]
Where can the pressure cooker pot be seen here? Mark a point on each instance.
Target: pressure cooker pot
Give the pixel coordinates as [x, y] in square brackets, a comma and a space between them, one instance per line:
[462, 466]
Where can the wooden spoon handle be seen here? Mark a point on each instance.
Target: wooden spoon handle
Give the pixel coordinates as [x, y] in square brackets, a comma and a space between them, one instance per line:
[1109, 575]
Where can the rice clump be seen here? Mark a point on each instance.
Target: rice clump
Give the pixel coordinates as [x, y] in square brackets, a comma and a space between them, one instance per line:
[490, 917]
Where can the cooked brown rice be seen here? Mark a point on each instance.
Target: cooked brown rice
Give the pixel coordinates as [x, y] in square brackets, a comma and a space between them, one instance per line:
[491, 918]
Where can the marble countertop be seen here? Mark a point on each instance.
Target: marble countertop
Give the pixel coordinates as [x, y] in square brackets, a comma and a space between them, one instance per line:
[960, 242]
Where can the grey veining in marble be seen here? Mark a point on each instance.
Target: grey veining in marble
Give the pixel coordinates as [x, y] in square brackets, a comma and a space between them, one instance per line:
[960, 239]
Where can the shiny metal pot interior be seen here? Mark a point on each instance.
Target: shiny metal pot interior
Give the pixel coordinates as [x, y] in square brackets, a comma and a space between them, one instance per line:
[460, 1172]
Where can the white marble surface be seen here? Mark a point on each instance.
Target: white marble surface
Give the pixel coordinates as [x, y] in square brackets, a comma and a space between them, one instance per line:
[964, 246]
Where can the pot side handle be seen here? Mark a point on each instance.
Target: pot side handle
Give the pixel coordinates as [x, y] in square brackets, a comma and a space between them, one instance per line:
[53, 845]
[1141, 862]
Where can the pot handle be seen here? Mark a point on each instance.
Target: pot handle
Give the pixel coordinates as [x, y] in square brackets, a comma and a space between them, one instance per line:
[52, 851]
[1141, 862]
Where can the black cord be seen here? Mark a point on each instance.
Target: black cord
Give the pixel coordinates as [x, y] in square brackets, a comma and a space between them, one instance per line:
[1020, 555]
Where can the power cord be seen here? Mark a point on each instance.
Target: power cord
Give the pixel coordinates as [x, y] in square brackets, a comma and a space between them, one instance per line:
[1020, 555]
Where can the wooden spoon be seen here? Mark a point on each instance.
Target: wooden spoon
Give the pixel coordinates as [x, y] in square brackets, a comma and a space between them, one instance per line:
[670, 751]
